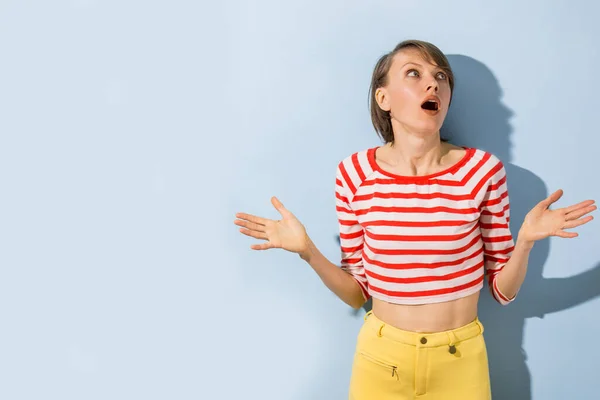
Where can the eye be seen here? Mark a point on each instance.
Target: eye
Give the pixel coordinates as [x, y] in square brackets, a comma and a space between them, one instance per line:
[412, 73]
[441, 75]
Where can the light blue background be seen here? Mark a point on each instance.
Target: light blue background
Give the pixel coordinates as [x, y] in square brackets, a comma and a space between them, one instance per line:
[132, 131]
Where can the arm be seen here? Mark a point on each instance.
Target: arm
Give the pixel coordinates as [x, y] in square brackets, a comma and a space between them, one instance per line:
[336, 279]
[506, 265]
[540, 223]
[511, 277]
[288, 233]
[349, 282]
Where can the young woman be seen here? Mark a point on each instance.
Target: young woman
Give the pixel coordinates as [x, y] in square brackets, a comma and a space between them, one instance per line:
[422, 222]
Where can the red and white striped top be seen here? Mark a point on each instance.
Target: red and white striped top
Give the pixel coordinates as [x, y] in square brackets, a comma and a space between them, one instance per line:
[424, 239]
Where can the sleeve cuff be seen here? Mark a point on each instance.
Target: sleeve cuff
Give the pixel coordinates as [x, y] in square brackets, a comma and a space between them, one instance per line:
[499, 296]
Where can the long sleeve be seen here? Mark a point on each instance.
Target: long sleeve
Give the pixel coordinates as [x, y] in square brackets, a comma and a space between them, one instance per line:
[351, 233]
[494, 222]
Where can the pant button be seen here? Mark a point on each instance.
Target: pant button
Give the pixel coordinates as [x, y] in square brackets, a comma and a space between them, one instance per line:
[452, 349]
[423, 340]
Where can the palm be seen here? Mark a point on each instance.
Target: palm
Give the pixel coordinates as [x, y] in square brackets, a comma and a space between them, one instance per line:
[287, 233]
[541, 222]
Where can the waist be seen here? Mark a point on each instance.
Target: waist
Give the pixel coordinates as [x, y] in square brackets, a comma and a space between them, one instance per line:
[429, 339]
[433, 317]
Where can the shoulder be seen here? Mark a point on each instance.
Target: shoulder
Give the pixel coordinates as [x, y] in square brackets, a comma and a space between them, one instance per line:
[361, 156]
[490, 169]
[356, 167]
[488, 160]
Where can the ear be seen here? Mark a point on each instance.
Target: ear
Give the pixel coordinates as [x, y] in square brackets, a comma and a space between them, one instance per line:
[382, 99]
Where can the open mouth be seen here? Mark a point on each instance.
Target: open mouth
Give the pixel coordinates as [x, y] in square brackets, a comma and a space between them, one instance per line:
[431, 105]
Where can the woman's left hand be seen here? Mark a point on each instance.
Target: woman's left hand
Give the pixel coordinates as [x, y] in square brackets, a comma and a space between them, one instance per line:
[541, 222]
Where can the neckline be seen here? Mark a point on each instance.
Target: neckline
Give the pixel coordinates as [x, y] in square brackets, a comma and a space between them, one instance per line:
[452, 169]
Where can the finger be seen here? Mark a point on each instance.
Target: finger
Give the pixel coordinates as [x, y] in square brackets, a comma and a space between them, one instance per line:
[254, 234]
[279, 207]
[552, 198]
[252, 218]
[579, 222]
[566, 235]
[250, 225]
[579, 213]
[263, 246]
[583, 204]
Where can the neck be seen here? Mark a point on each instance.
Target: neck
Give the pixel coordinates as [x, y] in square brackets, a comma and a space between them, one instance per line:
[417, 152]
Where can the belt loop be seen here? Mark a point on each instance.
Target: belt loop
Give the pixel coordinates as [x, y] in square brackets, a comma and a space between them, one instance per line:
[379, 334]
[480, 325]
[368, 314]
[452, 344]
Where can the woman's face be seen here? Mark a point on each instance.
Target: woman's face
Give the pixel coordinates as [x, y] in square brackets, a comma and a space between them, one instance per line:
[417, 94]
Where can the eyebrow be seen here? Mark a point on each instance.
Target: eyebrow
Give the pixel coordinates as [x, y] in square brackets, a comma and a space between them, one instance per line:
[438, 68]
[414, 63]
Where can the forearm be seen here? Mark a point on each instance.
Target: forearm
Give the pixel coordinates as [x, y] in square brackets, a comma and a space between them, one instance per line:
[336, 279]
[510, 279]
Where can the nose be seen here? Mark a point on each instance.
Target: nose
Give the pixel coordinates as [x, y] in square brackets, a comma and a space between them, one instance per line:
[433, 85]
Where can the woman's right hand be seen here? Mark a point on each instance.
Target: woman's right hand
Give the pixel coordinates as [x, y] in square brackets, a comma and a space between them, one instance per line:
[287, 233]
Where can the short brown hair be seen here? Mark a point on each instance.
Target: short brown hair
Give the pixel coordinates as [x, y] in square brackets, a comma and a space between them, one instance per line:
[380, 118]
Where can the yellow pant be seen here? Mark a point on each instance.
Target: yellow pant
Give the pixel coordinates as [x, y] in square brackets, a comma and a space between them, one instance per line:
[393, 364]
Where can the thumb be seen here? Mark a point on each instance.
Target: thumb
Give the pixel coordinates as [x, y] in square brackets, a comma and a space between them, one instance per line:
[279, 207]
[552, 198]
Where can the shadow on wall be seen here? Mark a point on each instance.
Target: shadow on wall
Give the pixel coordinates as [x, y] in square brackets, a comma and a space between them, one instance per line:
[479, 119]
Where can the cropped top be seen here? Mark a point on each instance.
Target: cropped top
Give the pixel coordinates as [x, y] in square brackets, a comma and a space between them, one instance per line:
[424, 239]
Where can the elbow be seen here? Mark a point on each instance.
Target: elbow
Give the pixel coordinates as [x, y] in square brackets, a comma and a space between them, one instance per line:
[357, 302]
[357, 305]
